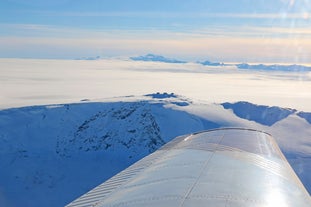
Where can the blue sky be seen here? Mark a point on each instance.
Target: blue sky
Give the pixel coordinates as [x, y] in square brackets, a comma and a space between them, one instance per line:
[219, 30]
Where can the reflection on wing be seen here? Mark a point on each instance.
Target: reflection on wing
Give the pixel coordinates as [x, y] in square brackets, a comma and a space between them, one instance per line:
[222, 167]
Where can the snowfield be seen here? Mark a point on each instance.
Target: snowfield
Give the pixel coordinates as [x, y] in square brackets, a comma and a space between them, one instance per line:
[67, 126]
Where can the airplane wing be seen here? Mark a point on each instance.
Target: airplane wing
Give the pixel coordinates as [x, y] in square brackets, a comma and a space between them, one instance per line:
[228, 167]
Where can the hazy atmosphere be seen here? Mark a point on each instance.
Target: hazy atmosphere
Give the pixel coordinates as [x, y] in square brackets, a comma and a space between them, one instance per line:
[227, 31]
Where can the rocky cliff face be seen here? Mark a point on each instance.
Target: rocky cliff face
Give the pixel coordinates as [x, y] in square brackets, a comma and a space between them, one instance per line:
[128, 126]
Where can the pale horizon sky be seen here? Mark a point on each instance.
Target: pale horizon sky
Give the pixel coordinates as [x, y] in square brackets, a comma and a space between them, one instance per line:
[276, 31]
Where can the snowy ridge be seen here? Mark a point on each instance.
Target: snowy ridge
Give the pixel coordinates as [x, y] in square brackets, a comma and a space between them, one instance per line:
[113, 128]
[156, 58]
[274, 67]
[243, 66]
[209, 63]
[89, 58]
[55, 153]
[305, 115]
[261, 114]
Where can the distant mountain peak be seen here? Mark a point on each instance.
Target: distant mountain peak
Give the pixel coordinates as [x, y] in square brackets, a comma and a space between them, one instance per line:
[156, 58]
[272, 67]
[209, 63]
[89, 58]
[164, 95]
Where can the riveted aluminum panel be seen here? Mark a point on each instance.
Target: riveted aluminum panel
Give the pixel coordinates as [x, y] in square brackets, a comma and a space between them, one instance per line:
[222, 167]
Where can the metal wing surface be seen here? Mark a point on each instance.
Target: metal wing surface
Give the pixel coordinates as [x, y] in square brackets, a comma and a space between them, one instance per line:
[228, 167]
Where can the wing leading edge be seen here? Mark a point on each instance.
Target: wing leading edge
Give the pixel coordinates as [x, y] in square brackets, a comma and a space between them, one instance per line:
[224, 167]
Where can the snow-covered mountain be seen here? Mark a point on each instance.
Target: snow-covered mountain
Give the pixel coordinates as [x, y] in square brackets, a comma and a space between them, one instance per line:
[156, 58]
[209, 63]
[264, 115]
[52, 154]
[265, 67]
[305, 115]
[274, 67]
[89, 58]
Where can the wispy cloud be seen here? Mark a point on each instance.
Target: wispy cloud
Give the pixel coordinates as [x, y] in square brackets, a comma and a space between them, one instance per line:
[280, 15]
[246, 43]
[36, 30]
[215, 48]
[239, 29]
